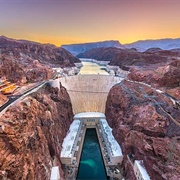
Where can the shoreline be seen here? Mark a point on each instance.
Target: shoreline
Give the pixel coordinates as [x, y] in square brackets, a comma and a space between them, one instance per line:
[100, 63]
[111, 70]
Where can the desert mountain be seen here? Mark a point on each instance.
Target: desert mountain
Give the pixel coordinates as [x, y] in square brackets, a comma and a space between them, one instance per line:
[22, 61]
[165, 44]
[75, 49]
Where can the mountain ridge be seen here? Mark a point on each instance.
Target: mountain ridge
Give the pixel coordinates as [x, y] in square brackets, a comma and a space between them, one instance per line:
[24, 61]
[140, 45]
[164, 44]
[76, 49]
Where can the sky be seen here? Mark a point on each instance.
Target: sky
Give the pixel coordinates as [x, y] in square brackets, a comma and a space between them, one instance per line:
[77, 21]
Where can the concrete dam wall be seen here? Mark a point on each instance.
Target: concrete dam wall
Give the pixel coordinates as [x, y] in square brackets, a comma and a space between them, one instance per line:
[88, 93]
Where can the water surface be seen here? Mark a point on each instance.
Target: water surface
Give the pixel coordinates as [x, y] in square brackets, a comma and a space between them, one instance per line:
[92, 68]
[91, 165]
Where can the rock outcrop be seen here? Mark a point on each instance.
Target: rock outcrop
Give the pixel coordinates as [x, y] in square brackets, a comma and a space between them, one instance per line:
[32, 135]
[147, 126]
[25, 61]
[47, 54]
[101, 54]
[15, 71]
[3, 99]
[125, 58]
[166, 77]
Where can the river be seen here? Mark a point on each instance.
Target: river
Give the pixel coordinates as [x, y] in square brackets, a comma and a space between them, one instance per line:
[92, 68]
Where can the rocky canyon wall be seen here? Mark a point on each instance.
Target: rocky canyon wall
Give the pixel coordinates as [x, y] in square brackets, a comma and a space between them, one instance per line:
[166, 77]
[147, 126]
[24, 61]
[32, 133]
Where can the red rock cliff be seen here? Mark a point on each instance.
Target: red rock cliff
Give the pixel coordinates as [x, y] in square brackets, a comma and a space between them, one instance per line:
[3, 99]
[15, 71]
[45, 53]
[34, 129]
[147, 126]
[166, 77]
[25, 61]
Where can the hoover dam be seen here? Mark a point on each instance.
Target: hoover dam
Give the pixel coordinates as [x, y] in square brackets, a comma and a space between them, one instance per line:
[88, 93]
[89, 145]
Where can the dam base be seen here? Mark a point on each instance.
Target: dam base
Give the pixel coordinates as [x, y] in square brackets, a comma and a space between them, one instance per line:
[76, 161]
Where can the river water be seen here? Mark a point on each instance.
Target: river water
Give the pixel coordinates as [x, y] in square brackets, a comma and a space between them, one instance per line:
[91, 165]
[92, 68]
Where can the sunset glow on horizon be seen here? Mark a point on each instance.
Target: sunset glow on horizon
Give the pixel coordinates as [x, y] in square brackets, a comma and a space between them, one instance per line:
[76, 21]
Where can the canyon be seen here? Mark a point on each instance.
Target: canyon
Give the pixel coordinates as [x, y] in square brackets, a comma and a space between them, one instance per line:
[156, 67]
[141, 110]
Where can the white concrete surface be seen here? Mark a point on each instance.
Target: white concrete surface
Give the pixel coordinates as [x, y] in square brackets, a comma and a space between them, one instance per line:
[55, 173]
[112, 143]
[140, 171]
[89, 114]
[88, 93]
[69, 140]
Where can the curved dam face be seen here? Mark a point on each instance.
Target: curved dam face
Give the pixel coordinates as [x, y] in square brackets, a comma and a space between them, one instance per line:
[88, 92]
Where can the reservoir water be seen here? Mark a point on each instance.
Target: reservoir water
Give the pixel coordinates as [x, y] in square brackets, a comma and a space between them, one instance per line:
[92, 68]
[91, 163]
